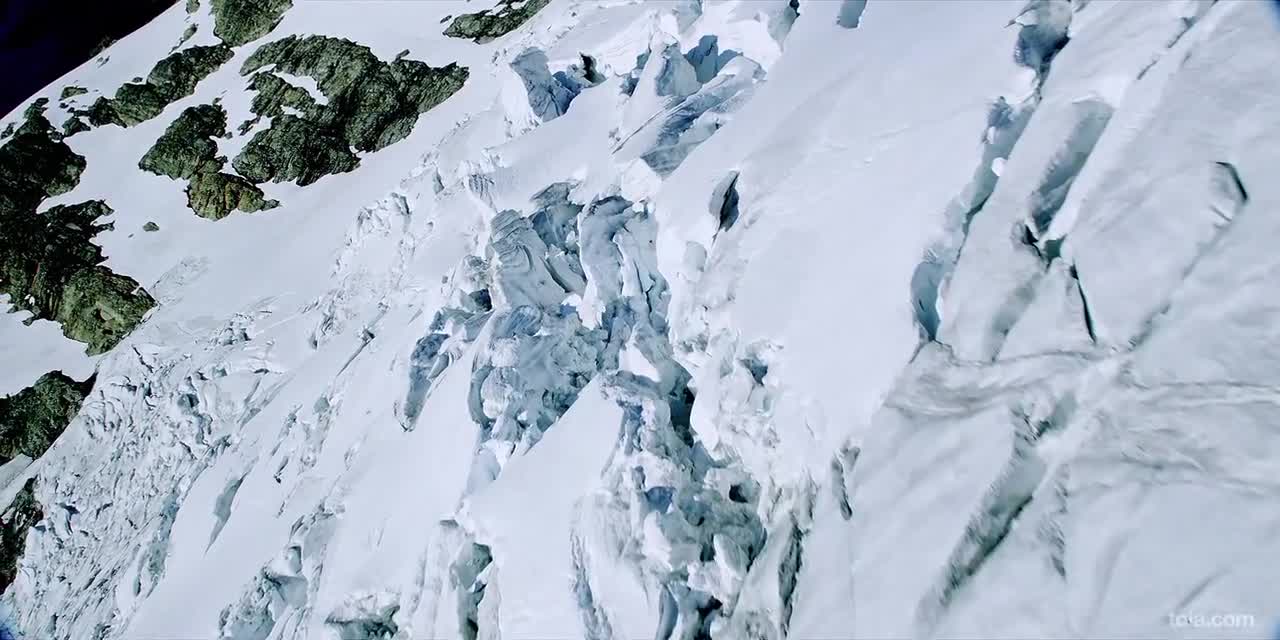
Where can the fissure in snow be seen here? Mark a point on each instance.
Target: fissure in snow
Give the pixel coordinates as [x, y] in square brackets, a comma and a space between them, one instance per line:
[610, 341]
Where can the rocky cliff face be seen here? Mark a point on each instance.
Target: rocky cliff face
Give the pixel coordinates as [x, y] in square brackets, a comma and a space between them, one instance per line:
[365, 105]
[48, 264]
[172, 78]
[238, 22]
[188, 151]
[745, 319]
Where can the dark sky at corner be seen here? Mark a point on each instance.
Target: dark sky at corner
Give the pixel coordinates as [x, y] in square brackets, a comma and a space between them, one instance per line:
[42, 39]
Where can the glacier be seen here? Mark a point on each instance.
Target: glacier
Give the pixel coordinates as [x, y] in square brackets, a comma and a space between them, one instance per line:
[682, 319]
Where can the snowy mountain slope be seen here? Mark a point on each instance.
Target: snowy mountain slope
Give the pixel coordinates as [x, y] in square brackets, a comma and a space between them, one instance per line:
[686, 319]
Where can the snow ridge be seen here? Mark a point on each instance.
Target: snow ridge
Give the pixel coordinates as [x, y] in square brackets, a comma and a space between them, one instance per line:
[612, 342]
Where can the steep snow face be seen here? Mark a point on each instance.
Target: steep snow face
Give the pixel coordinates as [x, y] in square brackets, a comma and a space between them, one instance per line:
[678, 319]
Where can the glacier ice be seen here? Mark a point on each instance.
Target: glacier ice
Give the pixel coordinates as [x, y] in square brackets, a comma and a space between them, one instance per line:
[680, 319]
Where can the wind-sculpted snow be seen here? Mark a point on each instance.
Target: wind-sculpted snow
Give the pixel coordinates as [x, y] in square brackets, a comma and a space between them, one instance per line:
[747, 320]
[700, 90]
[550, 94]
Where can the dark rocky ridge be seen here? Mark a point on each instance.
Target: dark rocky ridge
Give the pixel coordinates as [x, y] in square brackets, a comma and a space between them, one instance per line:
[33, 418]
[174, 77]
[505, 17]
[187, 151]
[48, 263]
[370, 105]
[238, 22]
[74, 124]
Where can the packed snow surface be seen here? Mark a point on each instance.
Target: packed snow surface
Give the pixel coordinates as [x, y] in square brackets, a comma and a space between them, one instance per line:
[694, 319]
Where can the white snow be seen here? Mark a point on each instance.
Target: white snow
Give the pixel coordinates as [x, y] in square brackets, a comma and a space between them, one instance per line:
[307, 83]
[388, 408]
[532, 545]
[28, 351]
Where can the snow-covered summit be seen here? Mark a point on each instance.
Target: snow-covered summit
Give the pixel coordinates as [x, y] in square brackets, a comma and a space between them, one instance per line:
[670, 318]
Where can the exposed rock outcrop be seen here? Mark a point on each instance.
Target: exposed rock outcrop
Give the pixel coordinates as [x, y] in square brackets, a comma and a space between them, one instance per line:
[33, 418]
[367, 105]
[237, 22]
[505, 17]
[187, 151]
[174, 77]
[49, 265]
[74, 125]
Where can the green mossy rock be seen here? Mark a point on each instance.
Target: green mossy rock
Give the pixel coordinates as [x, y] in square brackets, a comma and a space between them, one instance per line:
[369, 104]
[74, 125]
[174, 77]
[187, 34]
[504, 18]
[36, 108]
[187, 147]
[188, 152]
[296, 150]
[216, 195]
[49, 265]
[33, 418]
[34, 166]
[237, 22]
[272, 94]
[72, 90]
[100, 308]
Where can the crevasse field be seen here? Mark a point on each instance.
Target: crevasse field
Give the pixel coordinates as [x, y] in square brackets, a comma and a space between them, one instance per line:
[672, 319]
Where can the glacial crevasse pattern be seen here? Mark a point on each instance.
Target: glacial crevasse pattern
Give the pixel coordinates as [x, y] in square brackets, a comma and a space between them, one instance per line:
[692, 320]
